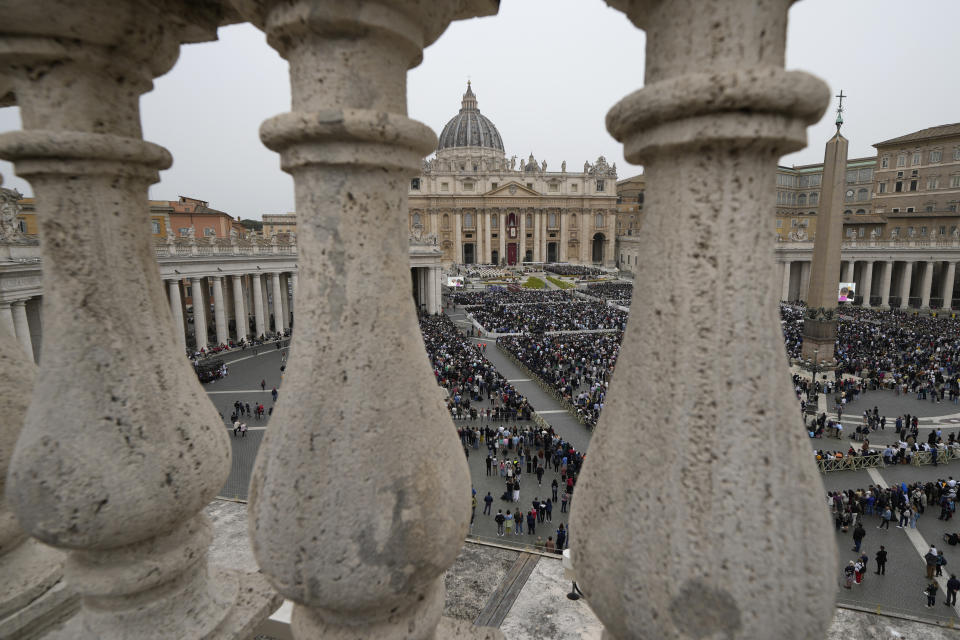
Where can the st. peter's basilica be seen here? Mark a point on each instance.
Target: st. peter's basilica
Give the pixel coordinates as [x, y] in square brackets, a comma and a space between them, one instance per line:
[484, 208]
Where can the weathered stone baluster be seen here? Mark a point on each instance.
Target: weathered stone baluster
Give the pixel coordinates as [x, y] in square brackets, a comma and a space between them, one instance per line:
[121, 450]
[721, 532]
[339, 516]
[32, 595]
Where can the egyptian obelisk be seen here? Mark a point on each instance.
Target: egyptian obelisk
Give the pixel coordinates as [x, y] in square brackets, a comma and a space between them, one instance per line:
[820, 319]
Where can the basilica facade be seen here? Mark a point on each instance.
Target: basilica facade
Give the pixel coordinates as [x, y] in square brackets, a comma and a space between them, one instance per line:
[483, 208]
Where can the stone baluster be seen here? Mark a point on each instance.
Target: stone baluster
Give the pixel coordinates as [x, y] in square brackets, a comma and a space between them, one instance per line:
[344, 544]
[124, 494]
[717, 112]
[32, 594]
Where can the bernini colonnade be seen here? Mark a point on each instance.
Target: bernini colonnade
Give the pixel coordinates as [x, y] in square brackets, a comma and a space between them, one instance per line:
[117, 497]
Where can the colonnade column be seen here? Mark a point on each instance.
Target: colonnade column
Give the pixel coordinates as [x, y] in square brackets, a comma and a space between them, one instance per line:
[947, 291]
[280, 323]
[176, 309]
[804, 291]
[886, 280]
[866, 279]
[219, 311]
[926, 284]
[258, 304]
[240, 310]
[714, 87]
[848, 273]
[124, 498]
[293, 295]
[285, 299]
[351, 150]
[199, 314]
[6, 318]
[22, 326]
[906, 280]
[785, 287]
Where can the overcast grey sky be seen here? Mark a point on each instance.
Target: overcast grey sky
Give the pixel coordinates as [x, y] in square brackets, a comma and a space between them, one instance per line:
[545, 72]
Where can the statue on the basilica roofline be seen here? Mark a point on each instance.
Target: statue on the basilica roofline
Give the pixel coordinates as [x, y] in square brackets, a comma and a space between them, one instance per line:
[586, 166]
[543, 167]
[513, 162]
[9, 209]
[563, 166]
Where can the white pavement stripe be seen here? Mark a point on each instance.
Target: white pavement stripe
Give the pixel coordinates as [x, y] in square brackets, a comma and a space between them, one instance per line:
[552, 411]
[913, 535]
[240, 391]
[519, 380]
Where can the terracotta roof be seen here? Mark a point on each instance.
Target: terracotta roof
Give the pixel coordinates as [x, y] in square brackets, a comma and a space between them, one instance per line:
[931, 132]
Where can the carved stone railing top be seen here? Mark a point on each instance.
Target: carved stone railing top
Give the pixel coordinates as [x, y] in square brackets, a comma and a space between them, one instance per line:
[103, 481]
[717, 106]
[346, 545]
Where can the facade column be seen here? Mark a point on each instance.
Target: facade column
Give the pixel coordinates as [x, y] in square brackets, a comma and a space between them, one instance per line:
[351, 148]
[6, 318]
[258, 304]
[176, 308]
[947, 291]
[886, 278]
[280, 323]
[240, 309]
[219, 311]
[458, 237]
[537, 256]
[926, 285]
[584, 241]
[122, 496]
[714, 84]
[488, 237]
[503, 236]
[906, 281]
[199, 314]
[564, 232]
[785, 287]
[22, 326]
[866, 279]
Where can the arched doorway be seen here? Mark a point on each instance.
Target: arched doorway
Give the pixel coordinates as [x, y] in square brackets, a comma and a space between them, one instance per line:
[598, 241]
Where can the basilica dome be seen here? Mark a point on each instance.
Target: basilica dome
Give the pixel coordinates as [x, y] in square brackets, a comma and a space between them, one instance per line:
[469, 128]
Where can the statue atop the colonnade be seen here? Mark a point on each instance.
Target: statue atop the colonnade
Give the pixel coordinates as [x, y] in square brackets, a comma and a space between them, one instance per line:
[9, 210]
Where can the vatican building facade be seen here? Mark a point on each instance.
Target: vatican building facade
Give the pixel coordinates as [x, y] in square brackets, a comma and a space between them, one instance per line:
[482, 207]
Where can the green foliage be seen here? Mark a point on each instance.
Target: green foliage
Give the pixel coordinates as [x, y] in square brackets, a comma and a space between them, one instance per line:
[563, 284]
[255, 225]
[534, 283]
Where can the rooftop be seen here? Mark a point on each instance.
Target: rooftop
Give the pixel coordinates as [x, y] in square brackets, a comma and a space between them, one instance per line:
[941, 131]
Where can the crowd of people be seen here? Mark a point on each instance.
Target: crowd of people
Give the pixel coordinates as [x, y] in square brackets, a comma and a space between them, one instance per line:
[540, 318]
[572, 270]
[918, 354]
[475, 389]
[511, 295]
[620, 293]
[577, 366]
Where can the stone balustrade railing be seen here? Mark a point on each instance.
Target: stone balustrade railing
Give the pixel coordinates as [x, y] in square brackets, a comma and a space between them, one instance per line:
[338, 515]
[232, 247]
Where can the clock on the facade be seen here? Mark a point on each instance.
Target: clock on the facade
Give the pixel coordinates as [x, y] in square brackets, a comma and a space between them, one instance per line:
[849, 193]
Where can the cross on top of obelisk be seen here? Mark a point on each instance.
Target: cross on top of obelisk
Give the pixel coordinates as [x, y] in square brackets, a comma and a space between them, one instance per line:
[839, 122]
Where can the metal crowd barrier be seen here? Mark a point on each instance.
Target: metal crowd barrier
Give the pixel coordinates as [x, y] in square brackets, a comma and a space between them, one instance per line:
[875, 460]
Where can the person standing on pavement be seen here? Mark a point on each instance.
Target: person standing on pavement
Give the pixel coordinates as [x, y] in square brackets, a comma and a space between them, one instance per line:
[941, 561]
[500, 520]
[931, 559]
[953, 585]
[885, 518]
[881, 559]
[487, 502]
[858, 533]
[931, 592]
[554, 487]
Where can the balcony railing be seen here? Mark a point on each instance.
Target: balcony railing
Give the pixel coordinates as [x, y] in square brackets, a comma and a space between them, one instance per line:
[338, 514]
